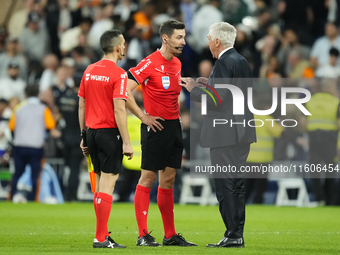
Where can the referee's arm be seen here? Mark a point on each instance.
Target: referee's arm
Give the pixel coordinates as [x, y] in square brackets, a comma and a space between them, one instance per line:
[121, 120]
[81, 118]
[131, 104]
[81, 113]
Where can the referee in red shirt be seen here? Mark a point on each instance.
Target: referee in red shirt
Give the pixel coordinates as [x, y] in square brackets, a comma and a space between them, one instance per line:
[161, 137]
[102, 96]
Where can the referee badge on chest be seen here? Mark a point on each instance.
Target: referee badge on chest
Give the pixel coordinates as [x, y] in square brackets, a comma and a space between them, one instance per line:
[166, 82]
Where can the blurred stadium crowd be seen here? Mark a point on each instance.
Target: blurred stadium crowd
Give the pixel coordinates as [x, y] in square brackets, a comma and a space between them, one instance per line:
[51, 42]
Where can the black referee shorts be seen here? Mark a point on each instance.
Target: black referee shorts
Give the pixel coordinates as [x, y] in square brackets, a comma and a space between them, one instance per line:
[162, 148]
[105, 147]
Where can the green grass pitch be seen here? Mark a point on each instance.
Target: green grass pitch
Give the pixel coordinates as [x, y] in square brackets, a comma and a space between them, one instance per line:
[70, 229]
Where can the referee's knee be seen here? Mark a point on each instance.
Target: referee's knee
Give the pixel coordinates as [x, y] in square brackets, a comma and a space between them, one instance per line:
[147, 179]
[167, 182]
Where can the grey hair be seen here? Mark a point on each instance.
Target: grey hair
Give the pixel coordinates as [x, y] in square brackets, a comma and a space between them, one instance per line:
[223, 31]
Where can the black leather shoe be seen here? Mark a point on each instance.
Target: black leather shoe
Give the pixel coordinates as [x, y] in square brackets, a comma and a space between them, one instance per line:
[177, 240]
[228, 243]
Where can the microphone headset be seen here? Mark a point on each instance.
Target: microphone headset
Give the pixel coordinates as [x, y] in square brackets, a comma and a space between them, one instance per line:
[171, 45]
[123, 55]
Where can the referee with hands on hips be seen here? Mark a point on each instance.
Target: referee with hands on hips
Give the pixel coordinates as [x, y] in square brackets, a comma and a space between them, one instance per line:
[161, 137]
[102, 95]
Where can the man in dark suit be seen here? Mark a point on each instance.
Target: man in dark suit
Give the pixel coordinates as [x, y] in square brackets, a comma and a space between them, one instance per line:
[229, 143]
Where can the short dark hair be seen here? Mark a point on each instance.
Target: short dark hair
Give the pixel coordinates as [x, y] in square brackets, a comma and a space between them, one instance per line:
[109, 40]
[32, 90]
[3, 101]
[168, 27]
[86, 20]
[79, 50]
[333, 23]
[334, 52]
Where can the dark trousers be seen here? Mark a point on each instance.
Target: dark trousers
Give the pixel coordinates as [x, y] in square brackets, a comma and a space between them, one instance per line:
[230, 191]
[322, 150]
[73, 157]
[26, 156]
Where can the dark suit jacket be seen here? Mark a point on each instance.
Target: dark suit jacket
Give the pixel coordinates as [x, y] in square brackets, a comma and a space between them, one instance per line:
[230, 68]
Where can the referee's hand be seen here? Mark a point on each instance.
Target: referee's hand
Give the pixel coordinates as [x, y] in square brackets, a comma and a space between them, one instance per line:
[127, 150]
[84, 149]
[152, 122]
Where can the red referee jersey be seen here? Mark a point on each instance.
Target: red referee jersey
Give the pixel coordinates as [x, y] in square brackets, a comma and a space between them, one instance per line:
[102, 82]
[160, 80]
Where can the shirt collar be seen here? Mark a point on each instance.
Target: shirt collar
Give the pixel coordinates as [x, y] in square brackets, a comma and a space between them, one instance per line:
[160, 53]
[108, 60]
[33, 100]
[225, 50]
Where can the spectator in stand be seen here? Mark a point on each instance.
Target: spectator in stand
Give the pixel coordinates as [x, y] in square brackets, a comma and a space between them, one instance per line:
[321, 47]
[34, 39]
[289, 42]
[18, 20]
[319, 16]
[300, 67]
[265, 50]
[234, 11]
[243, 41]
[144, 19]
[29, 123]
[124, 9]
[136, 48]
[206, 15]
[103, 23]
[60, 86]
[70, 38]
[48, 77]
[296, 13]
[88, 8]
[12, 53]
[332, 69]
[81, 60]
[12, 85]
[271, 69]
[188, 9]
[66, 100]
[59, 18]
[69, 64]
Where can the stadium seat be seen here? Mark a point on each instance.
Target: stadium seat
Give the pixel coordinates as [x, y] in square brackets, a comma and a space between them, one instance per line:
[282, 198]
[206, 197]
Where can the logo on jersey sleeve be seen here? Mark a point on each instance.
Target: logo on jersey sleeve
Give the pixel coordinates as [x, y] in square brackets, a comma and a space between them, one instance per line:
[166, 82]
[87, 77]
[122, 82]
[148, 62]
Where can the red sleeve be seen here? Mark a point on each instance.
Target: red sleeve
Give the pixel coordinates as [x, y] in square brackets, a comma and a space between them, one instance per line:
[120, 87]
[81, 92]
[143, 70]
